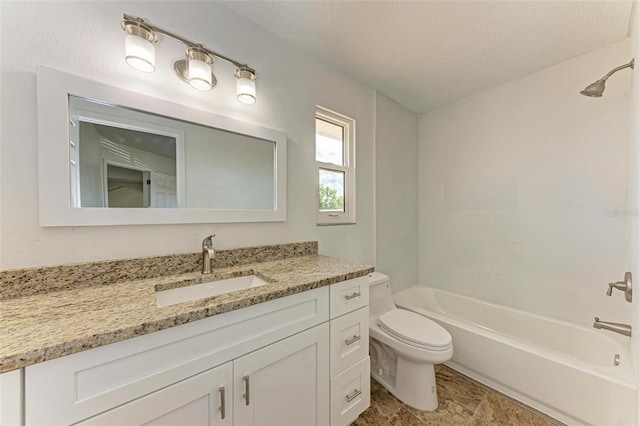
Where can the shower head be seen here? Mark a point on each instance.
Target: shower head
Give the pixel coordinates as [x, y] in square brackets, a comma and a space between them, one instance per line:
[595, 89]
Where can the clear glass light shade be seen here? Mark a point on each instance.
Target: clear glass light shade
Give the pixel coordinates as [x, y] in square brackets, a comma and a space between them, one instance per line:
[140, 53]
[246, 90]
[200, 74]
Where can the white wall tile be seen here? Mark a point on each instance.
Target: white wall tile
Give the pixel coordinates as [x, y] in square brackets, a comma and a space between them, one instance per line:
[497, 193]
[519, 187]
[634, 192]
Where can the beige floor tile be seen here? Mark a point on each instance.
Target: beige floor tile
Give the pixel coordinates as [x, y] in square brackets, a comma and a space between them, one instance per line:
[460, 402]
[449, 412]
[371, 417]
[404, 418]
[501, 411]
[459, 388]
[386, 404]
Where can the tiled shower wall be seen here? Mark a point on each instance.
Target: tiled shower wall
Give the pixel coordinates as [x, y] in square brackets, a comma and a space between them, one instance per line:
[523, 192]
[634, 193]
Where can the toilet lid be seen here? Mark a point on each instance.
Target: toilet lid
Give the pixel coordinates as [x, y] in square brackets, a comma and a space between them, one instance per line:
[415, 329]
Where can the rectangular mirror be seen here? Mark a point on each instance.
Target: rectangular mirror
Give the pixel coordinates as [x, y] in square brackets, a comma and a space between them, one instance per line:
[108, 156]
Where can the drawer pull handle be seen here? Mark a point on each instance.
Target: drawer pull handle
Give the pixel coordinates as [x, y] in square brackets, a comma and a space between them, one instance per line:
[352, 340]
[355, 394]
[352, 296]
[246, 389]
[222, 403]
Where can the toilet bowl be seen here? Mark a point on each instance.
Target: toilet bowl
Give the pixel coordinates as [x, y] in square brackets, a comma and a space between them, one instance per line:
[404, 347]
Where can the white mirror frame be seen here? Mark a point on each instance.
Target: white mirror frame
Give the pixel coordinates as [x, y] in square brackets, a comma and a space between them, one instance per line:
[54, 88]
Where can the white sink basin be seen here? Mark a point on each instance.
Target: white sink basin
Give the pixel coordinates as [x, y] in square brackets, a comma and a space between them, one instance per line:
[200, 291]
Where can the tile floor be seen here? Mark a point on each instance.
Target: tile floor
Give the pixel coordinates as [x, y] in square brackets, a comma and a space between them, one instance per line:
[460, 402]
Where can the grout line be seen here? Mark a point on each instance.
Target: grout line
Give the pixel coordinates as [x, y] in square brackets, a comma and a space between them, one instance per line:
[484, 399]
[398, 410]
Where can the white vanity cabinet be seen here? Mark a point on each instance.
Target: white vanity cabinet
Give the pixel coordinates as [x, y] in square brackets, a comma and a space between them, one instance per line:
[271, 363]
[284, 384]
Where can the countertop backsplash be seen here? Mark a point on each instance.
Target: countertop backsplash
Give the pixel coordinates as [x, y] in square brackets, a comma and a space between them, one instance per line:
[31, 281]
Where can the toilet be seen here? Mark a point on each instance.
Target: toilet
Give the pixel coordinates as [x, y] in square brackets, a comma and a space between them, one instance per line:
[404, 346]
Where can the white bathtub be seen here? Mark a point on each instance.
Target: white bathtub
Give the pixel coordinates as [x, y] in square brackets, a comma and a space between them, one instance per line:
[561, 369]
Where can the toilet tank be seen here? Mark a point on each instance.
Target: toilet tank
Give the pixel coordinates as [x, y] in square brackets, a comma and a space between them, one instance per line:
[380, 300]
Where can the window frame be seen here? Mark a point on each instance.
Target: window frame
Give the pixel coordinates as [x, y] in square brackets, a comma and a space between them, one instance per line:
[348, 216]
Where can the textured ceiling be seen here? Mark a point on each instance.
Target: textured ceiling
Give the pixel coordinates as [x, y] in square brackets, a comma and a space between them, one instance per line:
[425, 54]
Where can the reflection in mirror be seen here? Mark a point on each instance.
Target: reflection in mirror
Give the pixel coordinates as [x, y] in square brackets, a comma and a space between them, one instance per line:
[128, 159]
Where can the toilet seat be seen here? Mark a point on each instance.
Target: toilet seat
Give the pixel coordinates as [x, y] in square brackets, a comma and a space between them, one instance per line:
[415, 330]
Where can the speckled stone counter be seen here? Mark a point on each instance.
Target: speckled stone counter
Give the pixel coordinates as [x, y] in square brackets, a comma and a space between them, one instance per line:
[47, 325]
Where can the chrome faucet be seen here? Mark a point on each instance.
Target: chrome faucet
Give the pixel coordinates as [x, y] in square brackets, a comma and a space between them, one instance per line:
[612, 326]
[208, 253]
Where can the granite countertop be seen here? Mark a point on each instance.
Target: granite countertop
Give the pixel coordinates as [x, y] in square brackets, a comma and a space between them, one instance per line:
[45, 326]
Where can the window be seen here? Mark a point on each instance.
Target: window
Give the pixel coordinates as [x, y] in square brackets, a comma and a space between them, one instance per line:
[335, 168]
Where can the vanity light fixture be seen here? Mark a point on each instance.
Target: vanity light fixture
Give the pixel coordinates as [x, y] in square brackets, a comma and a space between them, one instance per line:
[197, 66]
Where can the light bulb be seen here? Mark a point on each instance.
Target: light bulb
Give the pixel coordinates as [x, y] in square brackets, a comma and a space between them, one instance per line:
[199, 64]
[199, 74]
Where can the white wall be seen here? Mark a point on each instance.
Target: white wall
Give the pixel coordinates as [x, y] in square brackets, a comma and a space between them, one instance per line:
[85, 38]
[521, 187]
[634, 195]
[396, 192]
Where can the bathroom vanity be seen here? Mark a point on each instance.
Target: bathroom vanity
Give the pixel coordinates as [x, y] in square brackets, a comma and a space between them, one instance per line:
[298, 357]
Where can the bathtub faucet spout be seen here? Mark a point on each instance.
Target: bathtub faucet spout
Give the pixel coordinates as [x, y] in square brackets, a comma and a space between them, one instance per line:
[612, 326]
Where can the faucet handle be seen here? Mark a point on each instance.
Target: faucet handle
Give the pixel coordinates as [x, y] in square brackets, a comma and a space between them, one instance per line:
[626, 286]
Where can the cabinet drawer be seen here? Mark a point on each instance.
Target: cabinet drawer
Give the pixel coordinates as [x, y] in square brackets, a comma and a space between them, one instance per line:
[349, 340]
[350, 394]
[348, 296]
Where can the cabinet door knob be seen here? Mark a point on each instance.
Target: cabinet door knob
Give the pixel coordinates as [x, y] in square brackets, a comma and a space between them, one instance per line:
[354, 395]
[222, 403]
[246, 389]
[352, 296]
[352, 340]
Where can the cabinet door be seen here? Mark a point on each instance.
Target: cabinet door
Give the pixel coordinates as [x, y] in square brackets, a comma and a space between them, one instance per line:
[286, 383]
[11, 393]
[202, 400]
